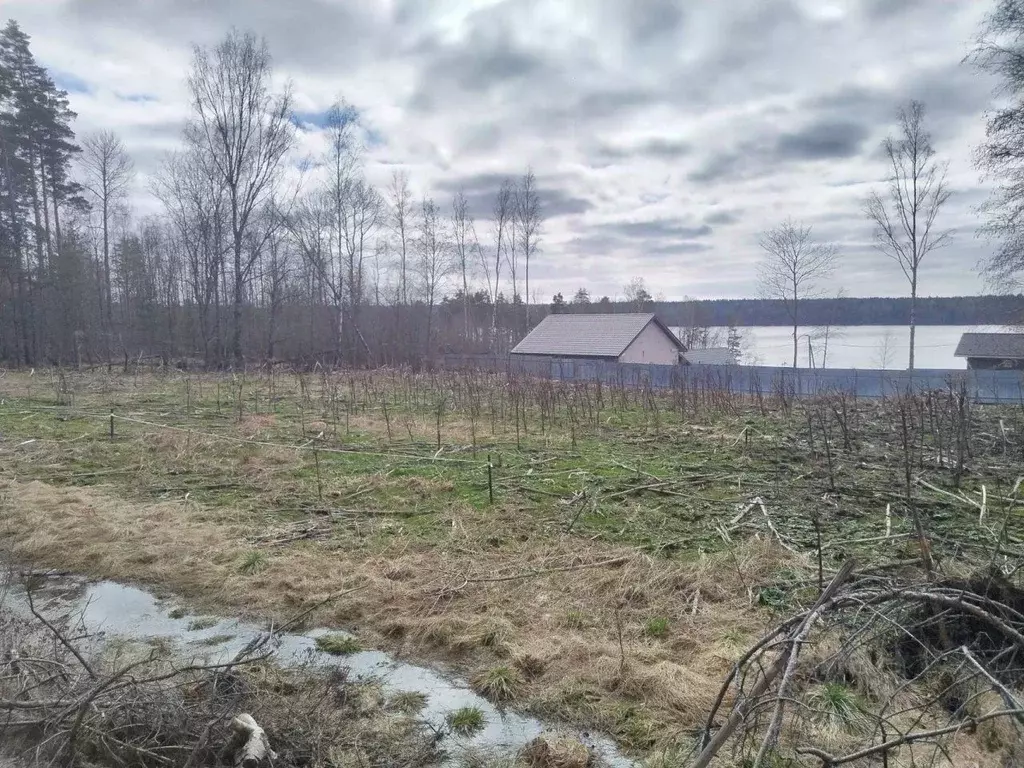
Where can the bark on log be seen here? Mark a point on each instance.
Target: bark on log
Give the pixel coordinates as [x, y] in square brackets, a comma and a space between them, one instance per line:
[249, 743]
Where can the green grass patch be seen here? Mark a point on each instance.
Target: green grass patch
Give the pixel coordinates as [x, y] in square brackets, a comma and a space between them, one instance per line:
[338, 644]
[835, 706]
[254, 562]
[499, 683]
[656, 627]
[465, 721]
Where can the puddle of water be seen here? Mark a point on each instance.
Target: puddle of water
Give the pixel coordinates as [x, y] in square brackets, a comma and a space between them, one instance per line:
[131, 613]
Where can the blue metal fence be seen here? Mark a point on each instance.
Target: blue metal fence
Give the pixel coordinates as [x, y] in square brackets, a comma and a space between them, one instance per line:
[982, 386]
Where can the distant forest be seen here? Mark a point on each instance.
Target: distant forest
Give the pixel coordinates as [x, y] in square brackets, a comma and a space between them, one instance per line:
[939, 310]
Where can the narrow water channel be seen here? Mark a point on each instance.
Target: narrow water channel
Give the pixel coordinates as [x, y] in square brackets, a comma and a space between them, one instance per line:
[127, 612]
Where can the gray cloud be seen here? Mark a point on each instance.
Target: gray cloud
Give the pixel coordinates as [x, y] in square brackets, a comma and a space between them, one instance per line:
[481, 189]
[822, 141]
[722, 217]
[658, 148]
[653, 20]
[663, 132]
[656, 229]
[311, 33]
[717, 167]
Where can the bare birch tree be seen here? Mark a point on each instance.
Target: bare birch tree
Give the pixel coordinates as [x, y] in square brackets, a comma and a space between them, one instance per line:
[400, 199]
[792, 269]
[529, 214]
[108, 175]
[512, 252]
[904, 219]
[464, 244]
[245, 130]
[503, 211]
[637, 297]
[364, 214]
[341, 162]
[434, 261]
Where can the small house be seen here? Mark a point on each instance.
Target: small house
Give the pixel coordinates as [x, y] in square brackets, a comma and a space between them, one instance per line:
[992, 350]
[625, 338]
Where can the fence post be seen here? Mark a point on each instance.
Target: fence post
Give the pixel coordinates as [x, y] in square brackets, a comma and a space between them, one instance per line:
[111, 423]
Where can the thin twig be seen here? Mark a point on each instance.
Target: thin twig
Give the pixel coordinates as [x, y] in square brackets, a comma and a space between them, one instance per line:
[58, 634]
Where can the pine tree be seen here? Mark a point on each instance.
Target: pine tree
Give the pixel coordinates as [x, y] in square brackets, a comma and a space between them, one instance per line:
[36, 150]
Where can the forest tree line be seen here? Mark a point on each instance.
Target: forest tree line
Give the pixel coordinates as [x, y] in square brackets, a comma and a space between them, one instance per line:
[820, 312]
[244, 263]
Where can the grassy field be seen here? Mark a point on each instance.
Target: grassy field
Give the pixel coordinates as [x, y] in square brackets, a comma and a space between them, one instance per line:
[598, 554]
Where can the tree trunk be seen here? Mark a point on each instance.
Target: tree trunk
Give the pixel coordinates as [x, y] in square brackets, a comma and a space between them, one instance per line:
[38, 221]
[795, 336]
[527, 297]
[236, 310]
[913, 313]
[430, 319]
[46, 210]
[465, 302]
[796, 318]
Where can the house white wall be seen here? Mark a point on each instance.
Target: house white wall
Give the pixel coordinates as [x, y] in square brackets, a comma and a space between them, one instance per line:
[651, 346]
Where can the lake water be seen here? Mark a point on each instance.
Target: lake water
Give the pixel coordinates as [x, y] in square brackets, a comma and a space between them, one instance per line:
[855, 346]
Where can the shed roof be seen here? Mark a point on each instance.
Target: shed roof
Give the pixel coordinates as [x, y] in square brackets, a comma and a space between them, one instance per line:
[1002, 346]
[710, 356]
[588, 335]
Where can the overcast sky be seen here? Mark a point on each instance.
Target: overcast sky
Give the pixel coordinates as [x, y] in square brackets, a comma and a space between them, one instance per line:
[665, 135]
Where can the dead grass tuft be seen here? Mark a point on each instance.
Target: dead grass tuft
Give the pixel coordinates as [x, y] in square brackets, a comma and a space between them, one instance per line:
[554, 751]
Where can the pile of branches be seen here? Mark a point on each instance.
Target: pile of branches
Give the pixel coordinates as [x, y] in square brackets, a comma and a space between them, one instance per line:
[69, 698]
[913, 668]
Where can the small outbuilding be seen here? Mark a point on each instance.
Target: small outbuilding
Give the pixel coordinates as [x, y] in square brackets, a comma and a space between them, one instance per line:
[992, 350]
[710, 356]
[626, 338]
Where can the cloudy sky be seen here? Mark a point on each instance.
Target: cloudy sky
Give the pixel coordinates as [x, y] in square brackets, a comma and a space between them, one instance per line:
[665, 134]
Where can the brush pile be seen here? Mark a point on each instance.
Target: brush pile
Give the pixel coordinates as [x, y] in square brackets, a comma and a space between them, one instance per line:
[912, 667]
[69, 698]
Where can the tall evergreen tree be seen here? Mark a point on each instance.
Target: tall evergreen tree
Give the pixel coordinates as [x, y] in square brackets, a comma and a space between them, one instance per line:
[36, 151]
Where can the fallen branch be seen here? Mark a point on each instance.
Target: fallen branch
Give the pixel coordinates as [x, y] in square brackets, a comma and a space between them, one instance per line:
[58, 634]
[741, 709]
[546, 571]
[829, 761]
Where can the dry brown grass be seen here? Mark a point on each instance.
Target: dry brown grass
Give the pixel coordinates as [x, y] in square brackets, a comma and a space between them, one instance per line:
[416, 598]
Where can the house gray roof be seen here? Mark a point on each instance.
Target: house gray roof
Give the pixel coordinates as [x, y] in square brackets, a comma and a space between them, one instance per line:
[710, 356]
[1002, 346]
[587, 335]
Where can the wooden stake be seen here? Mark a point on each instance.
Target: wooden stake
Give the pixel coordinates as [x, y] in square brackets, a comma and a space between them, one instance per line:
[490, 479]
